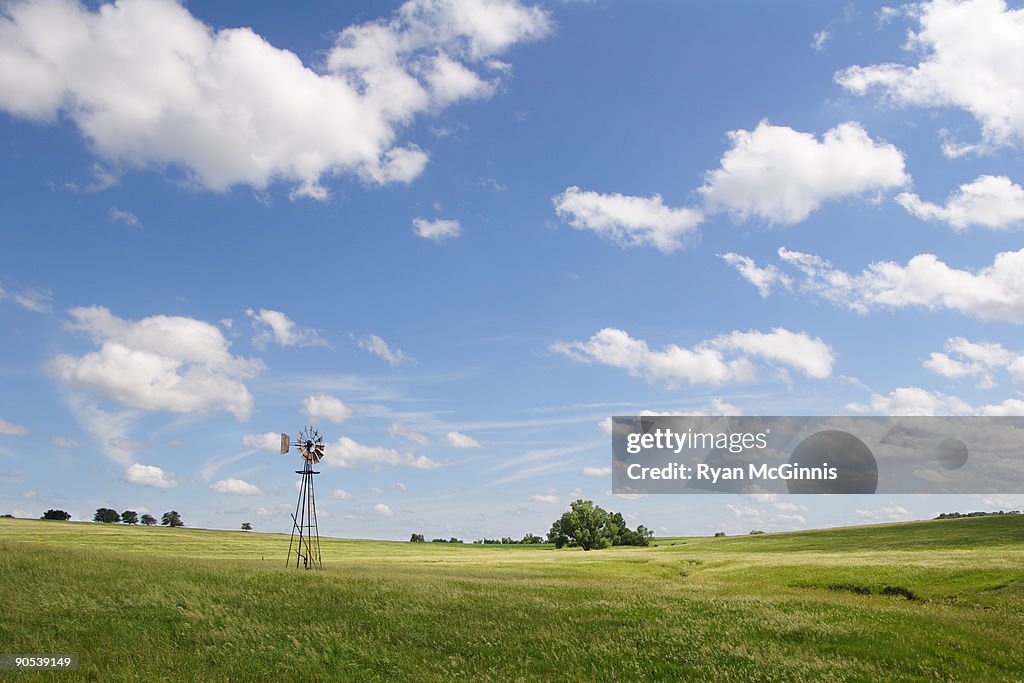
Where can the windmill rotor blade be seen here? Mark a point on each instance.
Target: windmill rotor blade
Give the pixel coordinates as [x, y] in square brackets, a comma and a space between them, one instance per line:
[285, 444]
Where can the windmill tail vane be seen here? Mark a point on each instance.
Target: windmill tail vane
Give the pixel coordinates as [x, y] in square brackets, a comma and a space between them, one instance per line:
[304, 545]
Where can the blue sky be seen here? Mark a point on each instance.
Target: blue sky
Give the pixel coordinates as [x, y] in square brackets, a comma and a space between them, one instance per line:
[459, 235]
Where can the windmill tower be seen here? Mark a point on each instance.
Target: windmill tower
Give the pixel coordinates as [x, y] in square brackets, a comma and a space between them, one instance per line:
[305, 531]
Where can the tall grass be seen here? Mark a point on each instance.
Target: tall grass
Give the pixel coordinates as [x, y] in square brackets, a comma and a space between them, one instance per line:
[181, 604]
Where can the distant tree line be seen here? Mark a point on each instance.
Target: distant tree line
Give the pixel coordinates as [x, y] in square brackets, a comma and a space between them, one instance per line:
[958, 515]
[111, 516]
[419, 538]
[528, 539]
[507, 540]
[585, 525]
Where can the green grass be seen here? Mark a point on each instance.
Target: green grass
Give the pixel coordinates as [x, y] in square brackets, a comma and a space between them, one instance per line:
[921, 601]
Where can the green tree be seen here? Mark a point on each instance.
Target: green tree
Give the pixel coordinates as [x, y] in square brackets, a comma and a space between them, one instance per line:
[148, 520]
[585, 525]
[532, 538]
[246, 526]
[106, 515]
[417, 538]
[56, 514]
[620, 532]
[130, 517]
[172, 519]
[642, 536]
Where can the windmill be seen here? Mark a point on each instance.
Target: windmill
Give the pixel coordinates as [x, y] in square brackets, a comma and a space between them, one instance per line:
[310, 446]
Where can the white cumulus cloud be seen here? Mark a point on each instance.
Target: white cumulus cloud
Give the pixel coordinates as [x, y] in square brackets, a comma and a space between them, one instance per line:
[381, 349]
[326, 408]
[236, 487]
[993, 202]
[158, 363]
[763, 278]
[276, 327]
[126, 217]
[995, 292]
[725, 358]
[437, 230]
[627, 220]
[544, 498]
[963, 358]
[913, 401]
[148, 84]
[597, 471]
[458, 440]
[383, 510]
[969, 56]
[149, 475]
[782, 175]
[267, 441]
[349, 453]
[796, 350]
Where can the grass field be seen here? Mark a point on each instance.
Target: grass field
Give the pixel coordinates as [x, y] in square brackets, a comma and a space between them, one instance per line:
[940, 600]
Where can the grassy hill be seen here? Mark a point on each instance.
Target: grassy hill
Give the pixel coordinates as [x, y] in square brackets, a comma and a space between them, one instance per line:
[917, 601]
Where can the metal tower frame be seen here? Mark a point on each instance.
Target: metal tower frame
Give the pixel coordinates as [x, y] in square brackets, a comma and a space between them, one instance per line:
[304, 524]
[305, 538]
